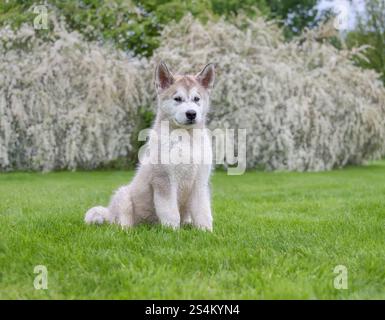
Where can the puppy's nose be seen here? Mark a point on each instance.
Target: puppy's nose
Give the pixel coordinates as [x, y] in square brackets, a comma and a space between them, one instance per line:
[191, 114]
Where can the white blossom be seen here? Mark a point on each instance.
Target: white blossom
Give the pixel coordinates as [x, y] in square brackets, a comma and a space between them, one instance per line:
[305, 106]
[67, 103]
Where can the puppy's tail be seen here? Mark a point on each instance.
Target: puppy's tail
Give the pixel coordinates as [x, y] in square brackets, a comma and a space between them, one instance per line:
[120, 210]
[97, 215]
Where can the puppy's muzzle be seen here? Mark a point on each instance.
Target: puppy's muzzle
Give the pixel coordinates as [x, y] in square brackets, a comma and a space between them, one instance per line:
[191, 116]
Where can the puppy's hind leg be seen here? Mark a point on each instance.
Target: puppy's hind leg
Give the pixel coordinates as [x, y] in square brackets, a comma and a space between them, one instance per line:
[121, 207]
[165, 201]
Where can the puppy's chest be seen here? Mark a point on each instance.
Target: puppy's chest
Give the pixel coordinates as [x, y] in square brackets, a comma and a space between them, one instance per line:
[185, 174]
[185, 177]
[183, 168]
[186, 159]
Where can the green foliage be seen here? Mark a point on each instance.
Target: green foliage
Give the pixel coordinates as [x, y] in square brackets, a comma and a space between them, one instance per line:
[15, 12]
[296, 14]
[119, 21]
[374, 55]
[371, 31]
[135, 25]
[130, 25]
[167, 10]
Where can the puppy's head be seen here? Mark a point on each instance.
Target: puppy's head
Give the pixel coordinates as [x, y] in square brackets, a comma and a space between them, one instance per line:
[184, 99]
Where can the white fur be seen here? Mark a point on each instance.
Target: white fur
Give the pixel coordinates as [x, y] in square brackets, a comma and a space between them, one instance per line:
[172, 194]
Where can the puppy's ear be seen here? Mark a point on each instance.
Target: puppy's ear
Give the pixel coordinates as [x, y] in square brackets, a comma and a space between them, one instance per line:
[163, 77]
[207, 76]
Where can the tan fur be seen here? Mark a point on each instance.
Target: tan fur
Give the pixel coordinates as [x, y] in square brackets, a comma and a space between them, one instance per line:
[172, 194]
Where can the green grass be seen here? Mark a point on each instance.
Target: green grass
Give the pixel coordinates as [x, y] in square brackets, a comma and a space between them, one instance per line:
[276, 235]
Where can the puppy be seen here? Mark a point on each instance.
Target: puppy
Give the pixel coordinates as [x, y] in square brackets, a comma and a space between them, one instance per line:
[163, 190]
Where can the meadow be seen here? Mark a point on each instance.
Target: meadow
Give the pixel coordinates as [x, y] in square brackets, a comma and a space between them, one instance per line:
[277, 235]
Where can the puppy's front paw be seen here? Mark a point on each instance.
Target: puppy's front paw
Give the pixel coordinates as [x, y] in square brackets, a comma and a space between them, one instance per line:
[186, 220]
[171, 224]
[205, 224]
[208, 228]
[96, 215]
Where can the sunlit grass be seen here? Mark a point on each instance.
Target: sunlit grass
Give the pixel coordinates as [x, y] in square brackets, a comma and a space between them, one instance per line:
[276, 235]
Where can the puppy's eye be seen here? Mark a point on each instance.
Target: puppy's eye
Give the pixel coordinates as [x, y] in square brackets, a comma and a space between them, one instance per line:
[196, 99]
[178, 99]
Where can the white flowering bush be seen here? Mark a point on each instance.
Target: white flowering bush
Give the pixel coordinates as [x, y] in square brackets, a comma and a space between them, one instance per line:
[304, 104]
[65, 103]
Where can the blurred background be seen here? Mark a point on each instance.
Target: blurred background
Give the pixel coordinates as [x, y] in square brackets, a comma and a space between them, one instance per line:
[305, 78]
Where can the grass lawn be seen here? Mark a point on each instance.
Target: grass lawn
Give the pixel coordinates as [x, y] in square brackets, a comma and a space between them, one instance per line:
[276, 235]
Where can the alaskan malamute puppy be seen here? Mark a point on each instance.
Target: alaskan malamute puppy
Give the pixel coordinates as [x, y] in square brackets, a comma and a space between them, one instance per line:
[162, 190]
